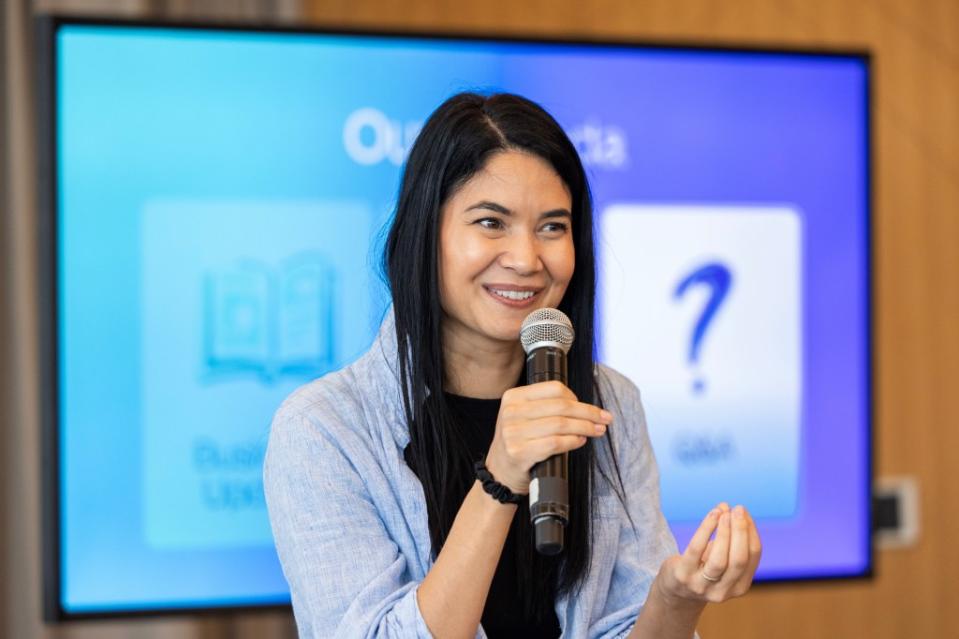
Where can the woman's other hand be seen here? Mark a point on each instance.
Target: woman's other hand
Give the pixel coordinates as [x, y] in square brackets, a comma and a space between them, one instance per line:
[718, 569]
[535, 422]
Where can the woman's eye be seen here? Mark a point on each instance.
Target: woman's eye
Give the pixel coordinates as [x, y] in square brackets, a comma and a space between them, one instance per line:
[490, 223]
[555, 227]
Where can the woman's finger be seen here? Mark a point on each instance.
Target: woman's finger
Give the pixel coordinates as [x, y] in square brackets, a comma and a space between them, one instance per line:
[709, 547]
[719, 554]
[738, 559]
[692, 556]
[755, 544]
[551, 426]
[539, 449]
[565, 407]
[755, 553]
[539, 390]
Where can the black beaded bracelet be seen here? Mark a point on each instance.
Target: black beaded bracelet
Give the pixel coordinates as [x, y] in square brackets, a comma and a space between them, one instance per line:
[499, 492]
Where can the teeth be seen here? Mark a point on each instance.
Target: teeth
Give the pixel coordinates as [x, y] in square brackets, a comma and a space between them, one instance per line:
[514, 295]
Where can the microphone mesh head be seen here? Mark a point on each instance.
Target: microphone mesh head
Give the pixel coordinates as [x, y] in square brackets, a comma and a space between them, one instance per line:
[546, 327]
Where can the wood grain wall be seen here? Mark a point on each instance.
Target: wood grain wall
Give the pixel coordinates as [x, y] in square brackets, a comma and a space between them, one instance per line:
[916, 153]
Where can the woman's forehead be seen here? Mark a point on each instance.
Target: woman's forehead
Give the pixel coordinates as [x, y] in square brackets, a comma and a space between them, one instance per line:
[516, 174]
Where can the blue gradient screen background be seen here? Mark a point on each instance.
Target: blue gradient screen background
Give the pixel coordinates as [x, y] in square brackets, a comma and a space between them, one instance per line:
[218, 200]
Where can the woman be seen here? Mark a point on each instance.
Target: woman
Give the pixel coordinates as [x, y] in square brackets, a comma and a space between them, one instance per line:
[381, 524]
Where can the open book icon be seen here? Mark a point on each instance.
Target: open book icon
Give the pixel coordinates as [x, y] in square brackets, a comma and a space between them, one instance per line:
[270, 321]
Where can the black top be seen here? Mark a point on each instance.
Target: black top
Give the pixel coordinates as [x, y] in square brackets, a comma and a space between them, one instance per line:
[503, 615]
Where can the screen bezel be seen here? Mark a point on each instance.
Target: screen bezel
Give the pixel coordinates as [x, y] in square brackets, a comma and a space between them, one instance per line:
[47, 27]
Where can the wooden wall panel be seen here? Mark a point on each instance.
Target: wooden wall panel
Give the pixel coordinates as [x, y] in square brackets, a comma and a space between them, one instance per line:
[916, 217]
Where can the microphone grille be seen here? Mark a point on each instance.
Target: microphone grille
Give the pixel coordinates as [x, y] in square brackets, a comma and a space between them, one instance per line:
[546, 327]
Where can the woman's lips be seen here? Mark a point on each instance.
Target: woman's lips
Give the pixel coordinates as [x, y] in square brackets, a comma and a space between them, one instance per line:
[514, 291]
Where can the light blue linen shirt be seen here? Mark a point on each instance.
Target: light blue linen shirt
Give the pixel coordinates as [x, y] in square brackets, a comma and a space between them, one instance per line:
[350, 522]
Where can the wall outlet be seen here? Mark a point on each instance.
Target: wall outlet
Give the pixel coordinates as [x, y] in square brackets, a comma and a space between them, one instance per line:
[896, 512]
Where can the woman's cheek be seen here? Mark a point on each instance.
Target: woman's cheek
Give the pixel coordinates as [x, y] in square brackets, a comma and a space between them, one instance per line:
[562, 272]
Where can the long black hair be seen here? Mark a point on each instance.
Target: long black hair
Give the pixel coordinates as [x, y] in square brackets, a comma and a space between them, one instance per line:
[455, 143]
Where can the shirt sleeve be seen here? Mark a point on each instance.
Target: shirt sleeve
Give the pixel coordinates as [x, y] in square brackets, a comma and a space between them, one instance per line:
[347, 577]
[641, 551]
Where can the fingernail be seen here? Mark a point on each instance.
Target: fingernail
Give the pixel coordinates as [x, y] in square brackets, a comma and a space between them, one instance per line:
[608, 416]
[738, 512]
[600, 428]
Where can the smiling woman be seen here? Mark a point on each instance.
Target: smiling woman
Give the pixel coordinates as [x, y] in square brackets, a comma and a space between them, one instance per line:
[506, 247]
[383, 526]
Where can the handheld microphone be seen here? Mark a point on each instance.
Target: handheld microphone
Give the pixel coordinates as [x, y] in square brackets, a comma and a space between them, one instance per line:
[546, 335]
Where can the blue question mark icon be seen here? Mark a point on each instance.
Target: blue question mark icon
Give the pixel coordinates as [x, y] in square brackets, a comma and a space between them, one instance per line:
[718, 278]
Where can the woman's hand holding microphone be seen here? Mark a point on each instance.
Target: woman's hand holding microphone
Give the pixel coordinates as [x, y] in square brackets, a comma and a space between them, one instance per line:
[536, 422]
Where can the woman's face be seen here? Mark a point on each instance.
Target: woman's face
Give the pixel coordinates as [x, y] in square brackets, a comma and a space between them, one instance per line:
[506, 247]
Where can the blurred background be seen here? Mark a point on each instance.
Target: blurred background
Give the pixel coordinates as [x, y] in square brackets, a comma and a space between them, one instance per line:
[915, 224]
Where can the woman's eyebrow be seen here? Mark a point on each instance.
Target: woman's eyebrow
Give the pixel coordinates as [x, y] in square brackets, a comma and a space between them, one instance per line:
[492, 206]
[499, 208]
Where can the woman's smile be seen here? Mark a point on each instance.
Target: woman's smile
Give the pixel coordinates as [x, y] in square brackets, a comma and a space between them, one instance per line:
[513, 296]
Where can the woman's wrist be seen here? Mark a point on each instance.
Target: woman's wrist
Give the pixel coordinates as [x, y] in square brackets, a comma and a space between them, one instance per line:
[498, 491]
[500, 476]
[672, 600]
[666, 614]
[494, 504]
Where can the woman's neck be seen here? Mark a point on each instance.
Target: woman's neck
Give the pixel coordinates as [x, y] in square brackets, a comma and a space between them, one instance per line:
[481, 368]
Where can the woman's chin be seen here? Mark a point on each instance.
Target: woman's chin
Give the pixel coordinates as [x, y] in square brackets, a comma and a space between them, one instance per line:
[504, 330]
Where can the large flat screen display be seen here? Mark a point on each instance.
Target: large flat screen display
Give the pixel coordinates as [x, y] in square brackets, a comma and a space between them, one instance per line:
[213, 203]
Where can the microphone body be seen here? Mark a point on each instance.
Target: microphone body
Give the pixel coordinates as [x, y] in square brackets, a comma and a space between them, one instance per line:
[549, 485]
[547, 335]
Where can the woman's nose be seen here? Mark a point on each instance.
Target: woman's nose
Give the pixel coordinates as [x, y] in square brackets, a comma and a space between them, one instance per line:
[522, 254]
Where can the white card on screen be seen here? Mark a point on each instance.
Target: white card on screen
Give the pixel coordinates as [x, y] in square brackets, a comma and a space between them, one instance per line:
[701, 306]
